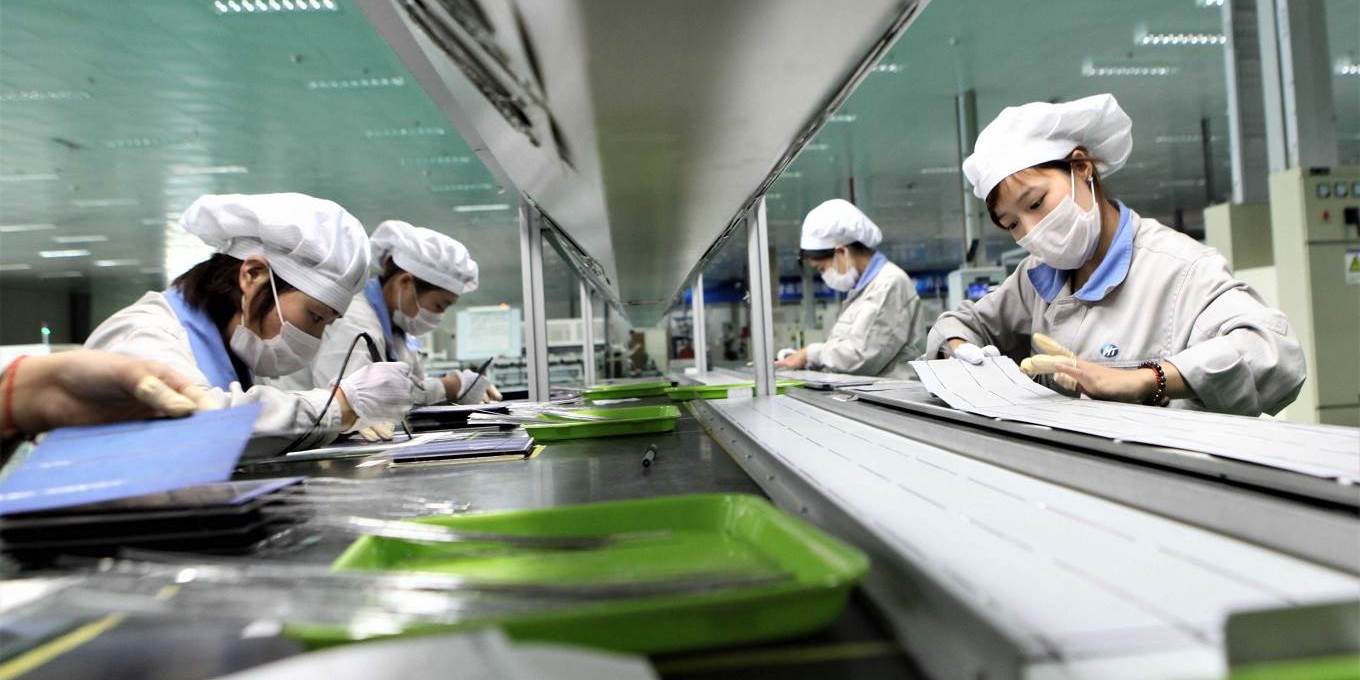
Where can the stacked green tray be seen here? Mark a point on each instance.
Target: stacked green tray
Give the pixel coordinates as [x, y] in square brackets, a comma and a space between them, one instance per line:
[622, 420]
[675, 535]
[650, 388]
[688, 392]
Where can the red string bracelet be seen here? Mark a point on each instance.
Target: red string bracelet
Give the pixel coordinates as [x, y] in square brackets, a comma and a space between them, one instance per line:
[8, 429]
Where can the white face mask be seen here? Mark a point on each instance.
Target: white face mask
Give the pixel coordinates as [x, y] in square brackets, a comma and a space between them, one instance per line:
[836, 280]
[423, 322]
[1066, 237]
[287, 352]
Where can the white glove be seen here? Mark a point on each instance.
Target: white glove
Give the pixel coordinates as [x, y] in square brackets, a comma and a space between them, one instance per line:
[380, 393]
[477, 393]
[973, 354]
[1054, 353]
[378, 432]
[784, 353]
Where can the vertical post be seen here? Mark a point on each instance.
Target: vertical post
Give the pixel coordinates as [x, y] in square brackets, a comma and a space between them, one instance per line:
[1296, 70]
[535, 318]
[1206, 151]
[1243, 70]
[698, 325]
[762, 317]
[808, 305]
[587, 336]
[965, 108]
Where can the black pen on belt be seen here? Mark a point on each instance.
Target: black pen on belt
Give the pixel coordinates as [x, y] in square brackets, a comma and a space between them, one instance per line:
[649, 457]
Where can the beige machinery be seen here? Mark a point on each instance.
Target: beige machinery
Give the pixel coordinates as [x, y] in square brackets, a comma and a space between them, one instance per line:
[1315, 232]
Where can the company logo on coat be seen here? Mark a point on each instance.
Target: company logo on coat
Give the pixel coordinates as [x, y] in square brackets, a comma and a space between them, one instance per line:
[1109, 350]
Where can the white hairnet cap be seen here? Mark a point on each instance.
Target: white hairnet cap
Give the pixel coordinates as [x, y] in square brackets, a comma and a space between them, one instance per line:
[429, 255]
[312, 243]
[838, 222]
[1038, 132]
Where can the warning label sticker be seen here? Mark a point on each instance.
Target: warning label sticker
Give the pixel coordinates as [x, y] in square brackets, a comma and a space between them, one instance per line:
[1353, 266]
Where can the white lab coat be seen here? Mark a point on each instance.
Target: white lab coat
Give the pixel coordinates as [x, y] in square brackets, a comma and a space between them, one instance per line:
[877, 331]
[335, 342]
[1178, 302]
[149, 329]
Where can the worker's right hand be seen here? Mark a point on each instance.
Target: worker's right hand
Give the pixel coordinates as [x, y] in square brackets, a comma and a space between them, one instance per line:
[377, 432]
[1052, 354]
[380, 392]
[970, 353]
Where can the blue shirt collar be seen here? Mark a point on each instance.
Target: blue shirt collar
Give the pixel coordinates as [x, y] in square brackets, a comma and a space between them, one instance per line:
[875, 263]
[205, 341]
[373, 292]
[1048, 282]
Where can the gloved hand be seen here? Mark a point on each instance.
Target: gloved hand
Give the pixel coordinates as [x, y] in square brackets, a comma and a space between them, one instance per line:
[492, 394]
[1053, 354]
[973, 354]
[377, 432]
[784, 353]
[470, 392]
[380, 393]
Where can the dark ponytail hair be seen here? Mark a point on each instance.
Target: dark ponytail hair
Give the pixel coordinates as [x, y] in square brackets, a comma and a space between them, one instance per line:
[212, 286]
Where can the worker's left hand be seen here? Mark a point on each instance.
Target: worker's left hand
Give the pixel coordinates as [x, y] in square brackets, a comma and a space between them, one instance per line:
[492, 394]
[377, 432]
[1110, 384]
[1052, 355]
[86, 387]
[794, 361]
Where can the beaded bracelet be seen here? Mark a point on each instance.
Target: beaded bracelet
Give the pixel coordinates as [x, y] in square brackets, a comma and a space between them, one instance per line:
[1159, 397]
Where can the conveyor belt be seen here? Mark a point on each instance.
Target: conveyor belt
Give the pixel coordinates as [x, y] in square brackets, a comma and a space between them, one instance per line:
[986, 570]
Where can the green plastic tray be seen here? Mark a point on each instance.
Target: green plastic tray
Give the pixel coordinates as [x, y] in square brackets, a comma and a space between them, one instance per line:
[688, 392]
[705, 533]
[651, 388]
[623, 420]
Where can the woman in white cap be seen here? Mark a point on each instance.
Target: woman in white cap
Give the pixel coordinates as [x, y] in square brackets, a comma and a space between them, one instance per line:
[1119, 306]
[876, 332]
[287, 266]
[420, 273]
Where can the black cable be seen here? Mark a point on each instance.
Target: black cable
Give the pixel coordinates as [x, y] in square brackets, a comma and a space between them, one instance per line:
[480, 372]
[373, 352]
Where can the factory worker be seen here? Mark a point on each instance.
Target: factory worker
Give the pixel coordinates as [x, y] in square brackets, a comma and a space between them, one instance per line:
[1119, 306]
[287, 266]
[418, 274]
[876, 332]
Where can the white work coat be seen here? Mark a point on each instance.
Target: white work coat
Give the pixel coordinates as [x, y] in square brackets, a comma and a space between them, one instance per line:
[876, 332]
[393, 345]
[151, 329]
[1158, 295]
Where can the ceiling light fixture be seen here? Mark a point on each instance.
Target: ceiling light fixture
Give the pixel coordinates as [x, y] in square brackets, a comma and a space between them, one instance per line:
[69, 274]
[117, 263]
[103, 202]
[1093, 70]
[437, 160]
[43, 95]
[1347, 68]
[844, 118]
[356, 83]
[53, 254]
[485, 207]
[792, 174]
[471, 186]
[272, 6]
[87, 238]
[1180, 39]
[17, 267]
[1175, 183]
[35, 177]
[1185, 139]
[194, 170]
[817, 147]
[889, 68]
[17, 228]
[147, 142]
[1209, 3]
[405, 132]
[941, 170]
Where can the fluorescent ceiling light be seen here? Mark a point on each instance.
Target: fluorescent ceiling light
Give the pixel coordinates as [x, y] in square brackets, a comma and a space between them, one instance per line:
[103, 202]
[16, 228]
[87, 238]
[1093, 70]
[18, 267]
[147, 142]
[1185, 139]
[35, 177]
[485, 207]
[1172, 183]
[1346, 68]
[792, 174]
[889, 68]
[272, 6]
[1180, 39]
[1209, 3]
[69, 274]
[817, 147]
[356, 83]
[116, 263]
[773, 197]
[941, 170]
[76, 252]
[405, 132]
[43, 95]
[844, 118]
[188, 170]
[469, 186]
[437, 160]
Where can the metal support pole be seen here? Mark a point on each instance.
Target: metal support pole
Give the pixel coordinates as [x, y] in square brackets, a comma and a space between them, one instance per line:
[535, 313]
[587, 336]
[1242, 64]
[965, 106]
[1206, 151]
[1297, 84]
[698, 326]
[762, 316]
[808, 305]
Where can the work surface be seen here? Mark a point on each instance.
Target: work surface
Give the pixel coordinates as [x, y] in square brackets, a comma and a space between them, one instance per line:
[688, 461]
